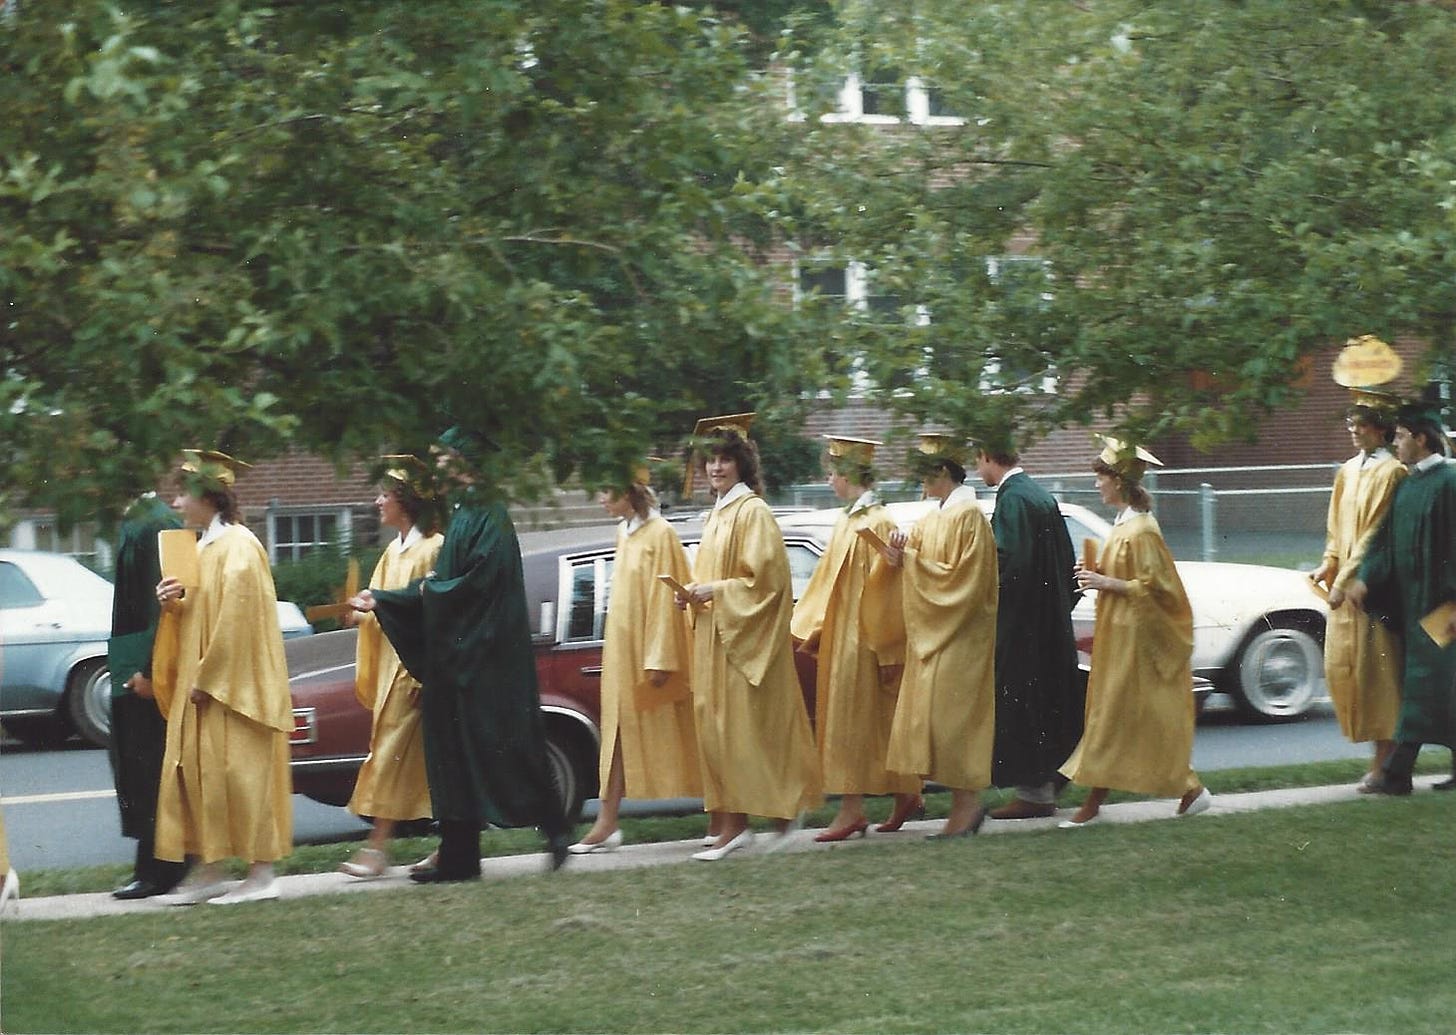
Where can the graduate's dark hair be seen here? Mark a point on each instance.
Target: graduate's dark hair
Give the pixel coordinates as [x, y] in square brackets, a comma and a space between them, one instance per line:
[1002, 456]
[1428, 430]
[423, 513]
[1130, 489]
[225, 503]
[1373, 417]
[742, 451]
[927, 465]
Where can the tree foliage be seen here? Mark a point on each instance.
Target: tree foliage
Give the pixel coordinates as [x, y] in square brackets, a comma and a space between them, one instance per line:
[341, 226]
[1213, 191]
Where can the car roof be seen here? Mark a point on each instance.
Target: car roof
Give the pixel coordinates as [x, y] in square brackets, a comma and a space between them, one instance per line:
[50, 566]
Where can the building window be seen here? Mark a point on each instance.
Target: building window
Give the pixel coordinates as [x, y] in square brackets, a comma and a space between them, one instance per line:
[296, 533]
[886, 97]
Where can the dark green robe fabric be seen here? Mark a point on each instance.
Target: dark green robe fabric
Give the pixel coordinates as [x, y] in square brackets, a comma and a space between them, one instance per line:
[138, 730]
[465, 634]
[1039, 698]
[1410, 569]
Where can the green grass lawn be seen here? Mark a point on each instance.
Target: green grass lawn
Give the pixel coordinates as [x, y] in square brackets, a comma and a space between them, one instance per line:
[1312, 919]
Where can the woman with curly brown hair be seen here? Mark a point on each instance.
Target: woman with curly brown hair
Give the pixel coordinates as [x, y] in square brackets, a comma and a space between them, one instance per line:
[757, 750]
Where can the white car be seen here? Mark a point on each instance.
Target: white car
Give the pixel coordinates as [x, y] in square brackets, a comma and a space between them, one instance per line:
[1258, 632]
[55, 619]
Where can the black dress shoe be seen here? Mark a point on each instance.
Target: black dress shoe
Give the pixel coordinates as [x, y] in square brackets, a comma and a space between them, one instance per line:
[139, 889]
[1445, 785]
[560, 852]
[434, 875]
[1387, 785]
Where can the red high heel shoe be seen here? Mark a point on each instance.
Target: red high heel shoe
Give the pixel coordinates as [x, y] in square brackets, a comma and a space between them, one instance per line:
[844, 833]
[903, 811]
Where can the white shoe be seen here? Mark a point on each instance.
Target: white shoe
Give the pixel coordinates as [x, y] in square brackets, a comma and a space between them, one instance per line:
[743, 840]
[190, 895]
[1072, 824]
[709, 840]
[783, 838]
[246, 892]
[10, 890]
[610, 843]
[368, 864]
[429, 862]
[1202, 803]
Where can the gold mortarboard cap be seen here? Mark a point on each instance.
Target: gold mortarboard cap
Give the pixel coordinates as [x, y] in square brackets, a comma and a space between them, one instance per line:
[856, 450]
[208, 470]
[939, 444]
[1125, 458]
[1365, 362]
[739, 422]
[410, 471]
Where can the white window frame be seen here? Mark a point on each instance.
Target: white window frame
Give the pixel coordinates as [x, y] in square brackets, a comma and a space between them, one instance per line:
[289, 551]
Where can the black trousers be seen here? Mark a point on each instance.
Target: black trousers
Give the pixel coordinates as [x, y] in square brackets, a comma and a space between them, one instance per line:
[138, 740]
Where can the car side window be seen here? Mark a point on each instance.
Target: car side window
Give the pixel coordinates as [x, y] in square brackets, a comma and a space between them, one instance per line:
[589, 586]
[802, 562]
[15, 589]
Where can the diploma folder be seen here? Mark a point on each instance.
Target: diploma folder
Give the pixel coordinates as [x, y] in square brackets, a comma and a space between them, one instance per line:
[676, 586]
[1438, 623]
[340, 607]
[1089, 554]
[872, 537]
[178, 549]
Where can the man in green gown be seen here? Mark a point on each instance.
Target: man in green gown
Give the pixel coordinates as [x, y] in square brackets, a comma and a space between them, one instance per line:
[464, 632]
[1410, 570]
[138, 728]
[1039, 698]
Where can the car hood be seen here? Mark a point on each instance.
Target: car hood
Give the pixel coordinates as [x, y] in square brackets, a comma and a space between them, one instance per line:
[1233, 595]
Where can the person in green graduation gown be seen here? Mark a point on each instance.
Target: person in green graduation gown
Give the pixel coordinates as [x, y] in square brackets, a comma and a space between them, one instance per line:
[1409, 571]
[1039, 697]
[138, 727]
[464, 632]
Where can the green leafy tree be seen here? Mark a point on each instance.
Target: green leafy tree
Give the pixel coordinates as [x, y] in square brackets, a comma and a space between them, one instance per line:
[344, 226]
[1209, 193]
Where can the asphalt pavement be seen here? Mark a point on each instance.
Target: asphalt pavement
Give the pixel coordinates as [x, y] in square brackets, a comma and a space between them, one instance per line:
[74, 907]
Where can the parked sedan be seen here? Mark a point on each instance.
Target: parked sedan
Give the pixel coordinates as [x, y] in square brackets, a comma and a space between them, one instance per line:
[1258, 632]
[568, 577]
[55, 618]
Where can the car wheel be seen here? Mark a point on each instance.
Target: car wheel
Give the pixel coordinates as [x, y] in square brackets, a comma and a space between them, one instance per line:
[567, 773]
[88, 698]
[1277, 672]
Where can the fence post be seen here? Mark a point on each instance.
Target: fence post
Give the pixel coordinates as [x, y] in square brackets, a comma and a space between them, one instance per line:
[1207, 498]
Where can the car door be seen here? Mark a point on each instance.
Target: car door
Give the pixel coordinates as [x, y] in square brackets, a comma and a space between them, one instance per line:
[32, 629]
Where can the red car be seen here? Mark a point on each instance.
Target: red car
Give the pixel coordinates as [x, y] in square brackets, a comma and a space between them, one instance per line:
[568, 578]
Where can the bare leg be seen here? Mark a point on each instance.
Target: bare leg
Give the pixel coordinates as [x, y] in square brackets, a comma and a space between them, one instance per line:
[1383, 748]
[1093, 805]
[851, 812]
[1188, 798]
[731, 825]
[610, 802]
[965, 809]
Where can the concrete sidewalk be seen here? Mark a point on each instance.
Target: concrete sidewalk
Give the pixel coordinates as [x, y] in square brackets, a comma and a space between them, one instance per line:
[73, 907]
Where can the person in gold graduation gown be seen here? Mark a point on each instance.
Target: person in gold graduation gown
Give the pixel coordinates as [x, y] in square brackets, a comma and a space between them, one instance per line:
[1362, 655]
[218, 670]
[649, 745]
[9, 880]
[1140, 711]
[945, 721]
[850, 618]
[392, 786]
[753, 730]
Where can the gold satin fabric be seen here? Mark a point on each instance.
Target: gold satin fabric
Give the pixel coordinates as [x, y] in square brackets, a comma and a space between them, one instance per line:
[754, 739]
[1140, 709]
[391, 783]
[1362, 656]
[226, 787]
[652, 725]
[852, 602]
[945, 721]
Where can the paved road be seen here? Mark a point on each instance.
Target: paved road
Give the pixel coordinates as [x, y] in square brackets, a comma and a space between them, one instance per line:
[60, 810]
